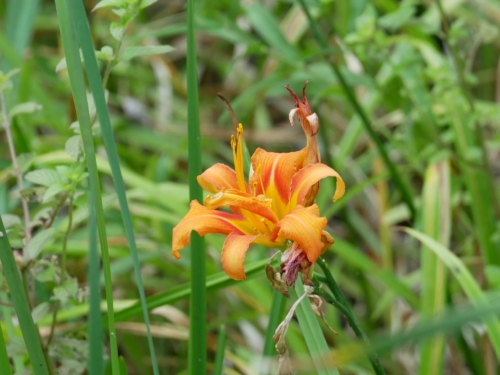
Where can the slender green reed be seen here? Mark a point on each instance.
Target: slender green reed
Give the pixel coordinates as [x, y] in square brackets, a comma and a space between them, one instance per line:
[71, 51]
[436, 223]
[197, 356]
[95, 363]
[310, 328]
[21, 305]
[95, 82]
[351, 318]
[219, 354]
[4, 357]
[467, 282]
[214, 282]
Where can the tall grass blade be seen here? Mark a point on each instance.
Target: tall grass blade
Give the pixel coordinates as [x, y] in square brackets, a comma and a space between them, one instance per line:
[4, 357]
[349, 315]
[95, 364]
[71, 51]
[20, 301]
[469, 285]
[476, 180]
[436, 224]
[276, 315]
[95, 82]
[197, 355]
[221, 348]
[315, 340]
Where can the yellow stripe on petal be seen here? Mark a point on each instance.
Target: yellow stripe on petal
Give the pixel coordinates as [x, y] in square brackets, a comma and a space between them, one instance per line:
[233, 255]
[310, 175]
[274, 177]
[203, 221]
[260, 205]
[218, 177]
[304, 226]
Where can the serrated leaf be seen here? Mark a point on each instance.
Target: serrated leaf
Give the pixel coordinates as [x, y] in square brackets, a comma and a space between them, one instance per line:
[51, 192]
[28, 107]
[109, 3]
[74, 146]
[10, 221]
[40, 311]
[131, 52]
[35, 246]
[45, 177]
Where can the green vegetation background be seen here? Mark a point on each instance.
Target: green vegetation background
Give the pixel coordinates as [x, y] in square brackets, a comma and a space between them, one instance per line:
[407, 94]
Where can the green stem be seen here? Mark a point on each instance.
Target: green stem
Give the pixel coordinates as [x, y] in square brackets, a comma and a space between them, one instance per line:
[197, 355]
[405, 192]
[349, 315]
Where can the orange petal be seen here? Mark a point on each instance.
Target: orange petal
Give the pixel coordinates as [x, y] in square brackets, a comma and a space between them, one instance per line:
[233, 255]
[310, 175]
[203, 221]
[304, 226]
[234, 198]
[273, 173]
[218, 177]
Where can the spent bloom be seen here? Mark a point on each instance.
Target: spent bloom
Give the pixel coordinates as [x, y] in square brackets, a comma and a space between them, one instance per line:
[274, 208]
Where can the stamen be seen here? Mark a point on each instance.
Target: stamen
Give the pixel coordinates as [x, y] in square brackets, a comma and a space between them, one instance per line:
[236, 144]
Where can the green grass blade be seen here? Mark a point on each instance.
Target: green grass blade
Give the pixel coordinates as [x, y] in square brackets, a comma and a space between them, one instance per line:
[309, 325]
[71, 51]
[95, 364]
[349, 315]
[398, 180]
[219, 354]
[476, 180]
[357, 259]
[197, 355]
[276, 315]
[80, 20]
[213, 282]
[436, 223]
[4, 357]
[466, 281]
[28, 328]
[448, 322]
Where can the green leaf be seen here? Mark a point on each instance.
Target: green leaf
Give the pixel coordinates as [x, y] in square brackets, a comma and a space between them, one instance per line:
[109, 3]
[466, 281]
[20, 301]
[131, 52]
[66, 292]
[74, 146]
[40, 311]
[10, 220]
[28, 107]
[51, 192]
[36, 244]
[45, 177]
[117, 30]
[106, 53]
[146, 3]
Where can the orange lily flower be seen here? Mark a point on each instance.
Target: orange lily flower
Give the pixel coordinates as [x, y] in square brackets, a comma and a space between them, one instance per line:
[272, 208]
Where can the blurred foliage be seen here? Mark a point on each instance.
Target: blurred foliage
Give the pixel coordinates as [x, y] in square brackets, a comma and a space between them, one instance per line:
[427, 75]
